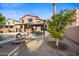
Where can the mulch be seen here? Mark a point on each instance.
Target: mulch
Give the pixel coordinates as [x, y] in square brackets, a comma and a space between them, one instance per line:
[62, 46]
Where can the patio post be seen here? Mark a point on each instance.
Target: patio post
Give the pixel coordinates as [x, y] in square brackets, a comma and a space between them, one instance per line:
[44, 29]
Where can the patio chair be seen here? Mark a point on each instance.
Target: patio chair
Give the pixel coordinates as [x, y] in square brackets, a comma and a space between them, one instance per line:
[19, 39]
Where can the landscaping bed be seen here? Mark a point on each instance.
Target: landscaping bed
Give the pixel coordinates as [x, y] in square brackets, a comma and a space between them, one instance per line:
[62, 46]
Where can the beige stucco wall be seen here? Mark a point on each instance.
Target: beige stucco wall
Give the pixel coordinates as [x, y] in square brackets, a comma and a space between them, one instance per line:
[72, 33]
[35, 19]
[7, 30]
[77, 17]
[12, 22]
[9, 21]
[76, 22]
[39, 21]
[26, 19]
[13, 29]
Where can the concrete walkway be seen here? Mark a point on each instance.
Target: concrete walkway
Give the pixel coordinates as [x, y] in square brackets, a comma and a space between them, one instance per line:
[40, 48]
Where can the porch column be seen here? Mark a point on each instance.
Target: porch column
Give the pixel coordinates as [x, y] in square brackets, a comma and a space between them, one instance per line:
[23, 28]
[15, 28]
[44, 29]
[36, 28]
[27, 30]
[32, 29]
[4, 29]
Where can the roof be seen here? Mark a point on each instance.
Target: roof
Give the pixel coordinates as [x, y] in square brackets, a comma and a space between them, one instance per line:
[40, 19]
[12, 20]
[16, 20]
[29, 15]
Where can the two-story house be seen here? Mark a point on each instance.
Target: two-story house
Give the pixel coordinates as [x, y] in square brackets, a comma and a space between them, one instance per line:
[26, 23]
[9, 26]
[29, 23]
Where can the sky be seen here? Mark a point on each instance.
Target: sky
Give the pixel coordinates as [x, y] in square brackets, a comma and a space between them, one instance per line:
[42, 10]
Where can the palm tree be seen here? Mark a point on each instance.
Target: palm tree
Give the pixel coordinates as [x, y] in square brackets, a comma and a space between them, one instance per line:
[54, 8]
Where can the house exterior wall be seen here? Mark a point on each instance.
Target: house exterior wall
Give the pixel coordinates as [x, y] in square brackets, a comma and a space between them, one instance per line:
[12, 22]
[39, 21]
[9, 22]
[77, 17]
[16, 26]
[7, 30]
[34, 19]
[76, 22]
[25, 19]
[72, 31]
[9, 26]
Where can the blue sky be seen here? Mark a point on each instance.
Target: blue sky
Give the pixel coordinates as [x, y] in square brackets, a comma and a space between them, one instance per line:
[43, 10]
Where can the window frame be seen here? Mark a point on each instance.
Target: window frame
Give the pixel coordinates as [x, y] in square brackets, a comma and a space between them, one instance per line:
[30, 20]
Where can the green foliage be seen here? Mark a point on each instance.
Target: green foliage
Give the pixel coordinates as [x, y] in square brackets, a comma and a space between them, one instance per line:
[2, 24]
[2, 18]
[58, 22]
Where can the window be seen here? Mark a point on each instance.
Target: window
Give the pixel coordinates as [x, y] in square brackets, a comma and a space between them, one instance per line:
[8, 22]
[22, 21]
[30, 20]
[11, 26]
[13, 22]
[21, 26]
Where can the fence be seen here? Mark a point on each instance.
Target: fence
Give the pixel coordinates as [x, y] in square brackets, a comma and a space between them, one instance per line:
[72, 33]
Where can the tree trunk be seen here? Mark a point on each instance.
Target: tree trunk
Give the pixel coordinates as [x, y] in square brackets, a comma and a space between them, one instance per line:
[54, 8]
[57, 42]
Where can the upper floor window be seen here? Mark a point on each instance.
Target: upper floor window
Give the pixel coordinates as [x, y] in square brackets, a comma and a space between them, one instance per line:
[8, 22]
[13, 22]
[22, 21]
[30, 20]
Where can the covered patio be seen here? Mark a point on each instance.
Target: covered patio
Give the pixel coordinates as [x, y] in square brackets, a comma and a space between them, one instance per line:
[30, 28]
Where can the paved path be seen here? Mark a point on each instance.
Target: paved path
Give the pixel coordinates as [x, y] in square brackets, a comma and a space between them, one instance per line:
[40, 48]
[44, 50]
[6, 49]
[22, 50]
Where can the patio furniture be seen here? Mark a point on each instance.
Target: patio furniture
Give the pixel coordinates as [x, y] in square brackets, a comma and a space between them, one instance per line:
[28, 40]
[20, 38]
[16, 42]
[0, 46]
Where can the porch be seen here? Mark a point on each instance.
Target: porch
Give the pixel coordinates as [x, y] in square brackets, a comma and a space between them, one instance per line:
[30, 28]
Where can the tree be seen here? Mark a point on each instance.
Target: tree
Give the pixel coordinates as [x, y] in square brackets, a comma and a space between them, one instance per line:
[54, 8]
[2, 19]
[58, 22]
